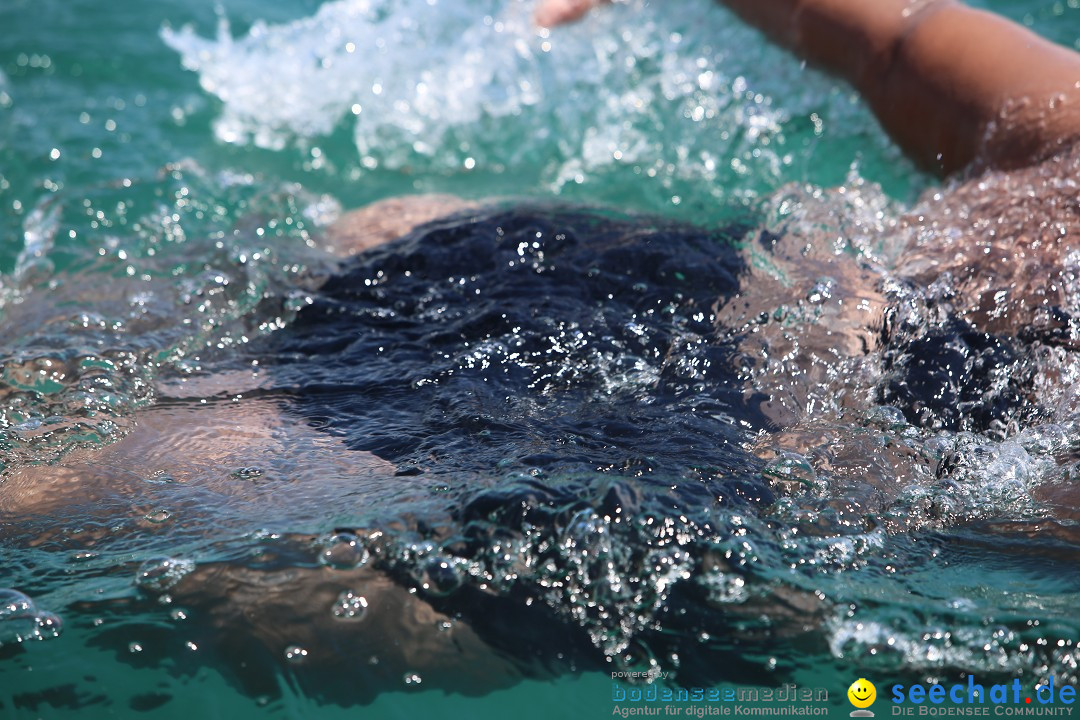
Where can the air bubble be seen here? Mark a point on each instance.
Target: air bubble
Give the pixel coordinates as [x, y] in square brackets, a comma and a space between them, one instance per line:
[49, 625]
[14, 604]
[344, 552]
[413, 679]
[21, 620]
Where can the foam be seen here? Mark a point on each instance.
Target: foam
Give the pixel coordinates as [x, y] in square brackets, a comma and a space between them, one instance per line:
[457, 85]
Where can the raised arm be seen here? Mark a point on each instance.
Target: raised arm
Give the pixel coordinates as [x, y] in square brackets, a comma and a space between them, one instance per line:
[954, 86]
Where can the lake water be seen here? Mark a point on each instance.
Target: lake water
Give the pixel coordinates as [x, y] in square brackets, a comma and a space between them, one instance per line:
[523, 419]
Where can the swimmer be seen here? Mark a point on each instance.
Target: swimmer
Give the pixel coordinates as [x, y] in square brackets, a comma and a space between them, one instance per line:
[996, 244]
[972, 96]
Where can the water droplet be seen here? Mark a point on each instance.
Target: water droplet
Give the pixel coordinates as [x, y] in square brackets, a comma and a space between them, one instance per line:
[583, 527]
[886, 417]
[350, 607]
[963, 604]
[161, 479]
[135, 647]
[159, 574]
[344, 552]
[158, 516]
[822, 290]
[296, 654]
[413, 679]
[178, 614]
[791, 469]
[724, 588]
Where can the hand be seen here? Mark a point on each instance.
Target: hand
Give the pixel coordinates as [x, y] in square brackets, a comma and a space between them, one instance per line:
[550, 13]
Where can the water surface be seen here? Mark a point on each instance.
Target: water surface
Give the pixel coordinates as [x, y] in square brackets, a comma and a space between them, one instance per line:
[548, 415]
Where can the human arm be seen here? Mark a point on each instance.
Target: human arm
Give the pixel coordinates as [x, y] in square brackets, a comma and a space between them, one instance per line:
[952, 85]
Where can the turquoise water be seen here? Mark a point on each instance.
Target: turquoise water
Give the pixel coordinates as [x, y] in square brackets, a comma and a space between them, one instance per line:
[147, 151]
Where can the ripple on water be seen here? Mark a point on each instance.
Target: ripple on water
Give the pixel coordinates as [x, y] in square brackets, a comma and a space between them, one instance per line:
[570, 434]
[158, 299]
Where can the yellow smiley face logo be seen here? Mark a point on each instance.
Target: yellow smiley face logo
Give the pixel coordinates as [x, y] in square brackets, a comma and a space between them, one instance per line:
[862, 693]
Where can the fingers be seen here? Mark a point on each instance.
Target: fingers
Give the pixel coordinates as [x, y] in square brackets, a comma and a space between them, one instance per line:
[550, 13]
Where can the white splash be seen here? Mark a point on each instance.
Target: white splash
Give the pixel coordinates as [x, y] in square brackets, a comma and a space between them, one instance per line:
[457, 85]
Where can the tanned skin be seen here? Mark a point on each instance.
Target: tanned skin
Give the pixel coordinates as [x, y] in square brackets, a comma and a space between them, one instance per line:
[557, 12]
[955, 87]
